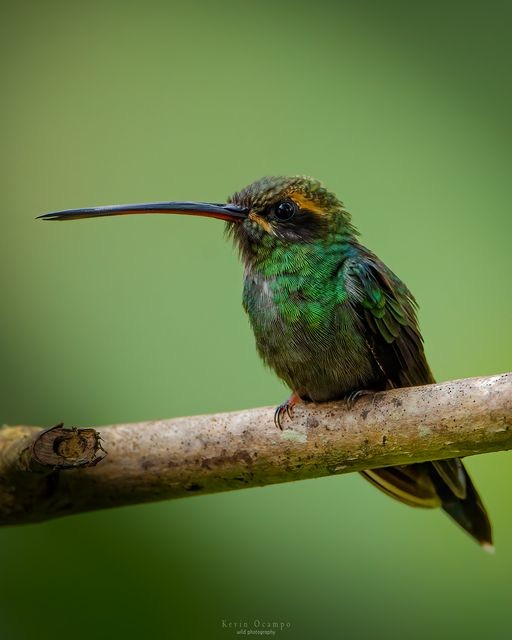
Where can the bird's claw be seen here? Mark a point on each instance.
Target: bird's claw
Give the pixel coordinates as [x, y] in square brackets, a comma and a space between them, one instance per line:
[285, 408]
[278, 413]
[351, 398]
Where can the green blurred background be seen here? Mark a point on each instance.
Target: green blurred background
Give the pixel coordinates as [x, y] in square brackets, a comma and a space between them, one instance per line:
[404, 110]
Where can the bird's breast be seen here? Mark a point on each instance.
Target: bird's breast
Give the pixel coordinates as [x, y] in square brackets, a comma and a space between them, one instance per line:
[305, 330]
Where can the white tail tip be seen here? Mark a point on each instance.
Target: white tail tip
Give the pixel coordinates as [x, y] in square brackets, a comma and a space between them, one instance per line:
[490, 548]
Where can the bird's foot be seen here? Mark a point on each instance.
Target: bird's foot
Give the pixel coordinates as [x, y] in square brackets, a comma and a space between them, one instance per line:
[285, 408]
[351, 398]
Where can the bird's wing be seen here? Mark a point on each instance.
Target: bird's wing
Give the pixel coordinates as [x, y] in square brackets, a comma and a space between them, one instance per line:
[387, 314]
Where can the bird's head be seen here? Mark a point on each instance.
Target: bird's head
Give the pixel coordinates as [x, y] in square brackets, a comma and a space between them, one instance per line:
[285, 211]
[269, 213]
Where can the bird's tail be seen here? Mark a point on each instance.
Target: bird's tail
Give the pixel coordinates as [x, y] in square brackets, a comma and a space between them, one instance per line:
[443, 483]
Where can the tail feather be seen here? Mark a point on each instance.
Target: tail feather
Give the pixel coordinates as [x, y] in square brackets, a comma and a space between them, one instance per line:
[469, 513]
[444, 484]
[408, 484]
[454, 474]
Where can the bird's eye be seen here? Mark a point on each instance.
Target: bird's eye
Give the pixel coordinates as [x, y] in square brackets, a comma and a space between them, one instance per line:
[285, 210]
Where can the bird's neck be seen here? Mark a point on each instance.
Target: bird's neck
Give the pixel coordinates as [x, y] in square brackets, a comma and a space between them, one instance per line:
[318, 259]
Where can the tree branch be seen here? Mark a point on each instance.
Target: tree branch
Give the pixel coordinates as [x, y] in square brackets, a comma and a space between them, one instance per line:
[205, 454]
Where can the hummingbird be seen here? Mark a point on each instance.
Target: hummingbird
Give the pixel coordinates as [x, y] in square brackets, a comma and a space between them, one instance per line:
[329, 317]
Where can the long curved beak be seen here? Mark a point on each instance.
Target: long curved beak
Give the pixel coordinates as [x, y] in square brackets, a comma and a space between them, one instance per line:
[228, 212]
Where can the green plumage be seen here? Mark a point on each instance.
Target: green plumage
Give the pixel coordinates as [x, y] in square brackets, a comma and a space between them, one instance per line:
[329, 317]
[333, 320]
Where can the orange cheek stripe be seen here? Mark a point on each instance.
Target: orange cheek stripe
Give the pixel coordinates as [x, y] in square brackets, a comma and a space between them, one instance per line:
[259, 220]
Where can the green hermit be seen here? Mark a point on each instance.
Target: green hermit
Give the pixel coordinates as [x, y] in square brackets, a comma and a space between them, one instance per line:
[330, 318]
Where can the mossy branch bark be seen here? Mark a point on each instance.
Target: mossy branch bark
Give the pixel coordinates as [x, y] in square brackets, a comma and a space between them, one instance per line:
[45, 474]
